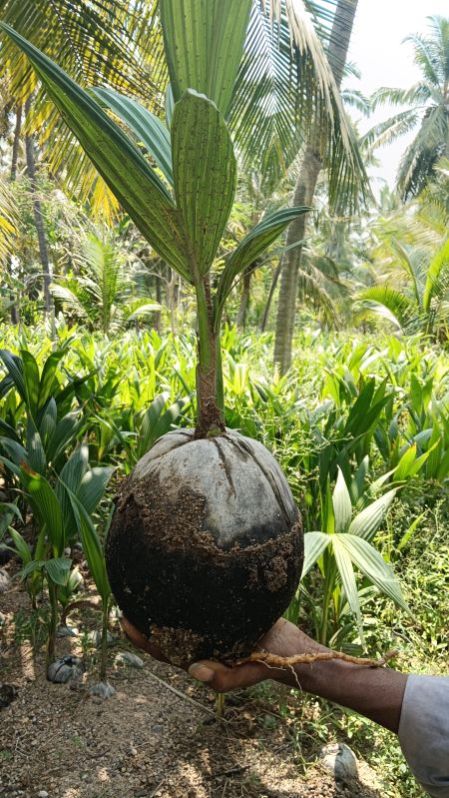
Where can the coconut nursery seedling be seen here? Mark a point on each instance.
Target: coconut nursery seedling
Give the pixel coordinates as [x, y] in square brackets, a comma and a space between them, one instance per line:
[205, 550]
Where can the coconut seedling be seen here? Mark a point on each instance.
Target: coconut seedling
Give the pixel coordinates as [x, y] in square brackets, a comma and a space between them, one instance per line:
[205, 550]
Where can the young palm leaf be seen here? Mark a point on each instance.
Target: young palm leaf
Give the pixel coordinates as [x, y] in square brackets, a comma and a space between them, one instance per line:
[201, 55]
[130, 178]
[147, 128]
[205, 175]
[347, 545]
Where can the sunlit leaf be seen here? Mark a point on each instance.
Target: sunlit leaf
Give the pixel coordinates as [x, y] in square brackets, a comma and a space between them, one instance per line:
[373, 566]
[366, 523]
[315, 543]
[204, 45]
[342, 505]
[346, 571]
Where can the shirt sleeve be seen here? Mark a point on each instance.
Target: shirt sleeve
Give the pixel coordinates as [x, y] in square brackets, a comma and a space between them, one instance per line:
[424, 732]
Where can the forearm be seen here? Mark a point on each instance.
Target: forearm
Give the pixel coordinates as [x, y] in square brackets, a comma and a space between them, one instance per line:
[376, 693]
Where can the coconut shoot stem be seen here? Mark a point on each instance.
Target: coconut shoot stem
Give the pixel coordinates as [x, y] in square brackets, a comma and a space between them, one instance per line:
[220, 704]
[53, 596]
[104, 642]
[209, 380]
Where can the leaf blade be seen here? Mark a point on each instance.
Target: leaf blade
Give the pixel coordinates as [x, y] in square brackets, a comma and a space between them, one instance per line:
[341, 502]
[147, 127]
[367, 522]
[371, 563]
[205, 174]
[136, 186]
[346, 571]
[315, 543]
[204, 45]
[252, 246]
[91, 546]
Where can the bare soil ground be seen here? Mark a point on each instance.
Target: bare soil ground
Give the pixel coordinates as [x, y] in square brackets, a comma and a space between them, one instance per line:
[158, 737]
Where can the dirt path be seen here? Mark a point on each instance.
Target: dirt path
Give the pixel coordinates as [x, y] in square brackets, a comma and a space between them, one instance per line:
[147, 741]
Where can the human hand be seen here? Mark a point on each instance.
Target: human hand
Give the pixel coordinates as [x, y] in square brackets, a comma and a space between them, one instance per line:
[376, 693]
[284, 639]
[140, 641]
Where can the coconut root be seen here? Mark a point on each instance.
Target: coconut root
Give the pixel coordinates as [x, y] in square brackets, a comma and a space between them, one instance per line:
[274, 661]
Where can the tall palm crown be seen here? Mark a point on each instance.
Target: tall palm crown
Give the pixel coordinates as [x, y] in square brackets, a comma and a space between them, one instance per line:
[428, 110]
[283, 83]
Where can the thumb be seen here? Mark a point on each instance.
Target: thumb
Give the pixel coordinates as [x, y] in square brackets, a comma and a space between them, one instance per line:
[223, 679]
[204, 671]
[208, 670]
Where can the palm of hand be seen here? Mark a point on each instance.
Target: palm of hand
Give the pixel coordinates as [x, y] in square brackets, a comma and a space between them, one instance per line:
[284, 639]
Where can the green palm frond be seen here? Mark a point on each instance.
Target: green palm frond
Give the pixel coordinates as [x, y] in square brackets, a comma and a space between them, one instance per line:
[419, 93]
[421, 301]
[443, 167]
[428, 108]
[390, 130]
[413, 260]
[105, 290]
[92, 38]
[390, 304]
[420, 158]
[284, 83]
[71, 298]
[437, 276]
[104, 265]
[316, 284]
[285, 87]
[353, 98]
[8, 220]
[95, 41]
[431, 51]
[434, 207]
[323, 13]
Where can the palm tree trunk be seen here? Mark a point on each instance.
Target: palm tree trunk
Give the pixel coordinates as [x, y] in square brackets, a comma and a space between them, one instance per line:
[304, 192]
[244, 301]
[285, 320]
[172, 298]
[16, 144]
[158, 314]
[245, 296]
[15, 315]
[38, 216]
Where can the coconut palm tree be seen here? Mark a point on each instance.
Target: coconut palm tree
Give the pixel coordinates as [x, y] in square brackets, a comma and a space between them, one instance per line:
[434, 199]
[105, 294]
[413, 294]
[95, 41]
[312, 163]
[8, 221]
[282, 84]
[427, 110]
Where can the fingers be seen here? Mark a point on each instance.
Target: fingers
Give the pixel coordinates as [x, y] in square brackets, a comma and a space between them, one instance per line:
[223, 679]
[137, 638]
[140, 641]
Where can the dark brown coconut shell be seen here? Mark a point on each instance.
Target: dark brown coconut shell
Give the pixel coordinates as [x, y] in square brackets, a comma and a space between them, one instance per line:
[205, 550]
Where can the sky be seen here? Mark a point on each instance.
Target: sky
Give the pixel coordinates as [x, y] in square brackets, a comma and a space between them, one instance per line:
[377, 49]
